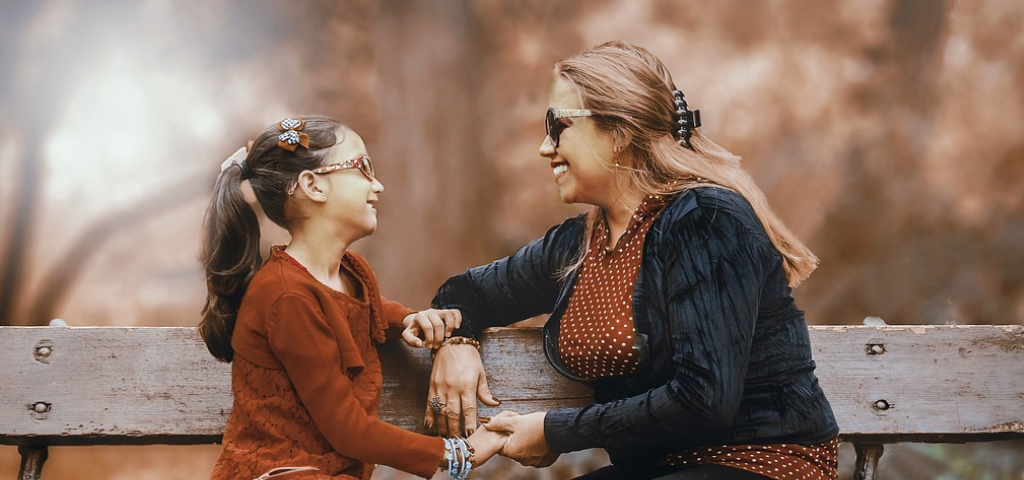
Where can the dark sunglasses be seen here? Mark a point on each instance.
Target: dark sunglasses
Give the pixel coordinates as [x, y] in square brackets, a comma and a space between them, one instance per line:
[361, 162]
[554, 128]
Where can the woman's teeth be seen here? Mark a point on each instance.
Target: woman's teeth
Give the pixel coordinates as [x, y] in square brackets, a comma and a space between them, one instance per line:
[560, 169]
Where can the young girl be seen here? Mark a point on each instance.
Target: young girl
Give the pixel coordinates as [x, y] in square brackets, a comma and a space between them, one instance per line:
[300, 328]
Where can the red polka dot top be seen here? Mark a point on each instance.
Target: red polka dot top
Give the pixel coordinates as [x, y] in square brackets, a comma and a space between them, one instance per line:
[597, 335]
[597, 332]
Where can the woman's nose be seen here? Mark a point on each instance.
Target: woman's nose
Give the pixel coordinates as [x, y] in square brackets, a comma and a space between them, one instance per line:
[547, 147]
[377, 186]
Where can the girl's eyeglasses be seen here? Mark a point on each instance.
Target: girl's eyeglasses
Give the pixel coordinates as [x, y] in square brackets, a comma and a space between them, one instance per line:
[362, 162]
[552, 125]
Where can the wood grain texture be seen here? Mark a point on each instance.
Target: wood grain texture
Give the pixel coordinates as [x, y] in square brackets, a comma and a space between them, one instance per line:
[930, 383]
[153, 385]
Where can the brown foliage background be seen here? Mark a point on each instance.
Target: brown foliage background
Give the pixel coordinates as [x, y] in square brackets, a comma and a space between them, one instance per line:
[887, 133]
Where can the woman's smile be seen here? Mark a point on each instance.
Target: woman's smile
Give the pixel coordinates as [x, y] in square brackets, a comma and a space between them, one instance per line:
[559, 169]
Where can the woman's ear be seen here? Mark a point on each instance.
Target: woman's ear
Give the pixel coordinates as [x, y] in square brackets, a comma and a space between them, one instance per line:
[622, 139]
[312, 186]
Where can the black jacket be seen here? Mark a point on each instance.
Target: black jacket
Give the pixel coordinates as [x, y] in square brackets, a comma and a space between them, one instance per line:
[725, 356]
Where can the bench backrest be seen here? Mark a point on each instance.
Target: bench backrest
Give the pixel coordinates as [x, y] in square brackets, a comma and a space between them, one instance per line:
[156, 385]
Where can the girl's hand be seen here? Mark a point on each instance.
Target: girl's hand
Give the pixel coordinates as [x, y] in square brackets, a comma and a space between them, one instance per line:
[430, 328]
[487, 443]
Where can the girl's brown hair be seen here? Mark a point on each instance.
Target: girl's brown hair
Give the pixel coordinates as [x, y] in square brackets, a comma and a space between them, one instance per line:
[629, 91]
[231, 250]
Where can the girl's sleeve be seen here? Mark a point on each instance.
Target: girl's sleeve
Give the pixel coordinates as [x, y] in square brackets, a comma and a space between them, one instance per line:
[394, 312]
[515, 288]
[308, 348]
[711, 285]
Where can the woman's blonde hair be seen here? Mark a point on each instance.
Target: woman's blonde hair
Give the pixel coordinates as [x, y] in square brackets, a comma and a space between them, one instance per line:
[629, 91]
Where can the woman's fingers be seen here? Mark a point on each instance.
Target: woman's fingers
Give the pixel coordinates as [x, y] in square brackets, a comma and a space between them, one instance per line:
[429, 417]
[484, 392]
[502, 422]
[468, 402]
[453, 416]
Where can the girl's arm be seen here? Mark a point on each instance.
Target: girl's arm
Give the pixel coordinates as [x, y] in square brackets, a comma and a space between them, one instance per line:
[302, 340]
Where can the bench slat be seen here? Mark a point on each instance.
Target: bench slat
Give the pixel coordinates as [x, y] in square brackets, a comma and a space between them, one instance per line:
[159, 385]
[941, 383]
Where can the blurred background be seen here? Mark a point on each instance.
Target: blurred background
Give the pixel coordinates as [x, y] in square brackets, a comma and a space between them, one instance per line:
[886, 133]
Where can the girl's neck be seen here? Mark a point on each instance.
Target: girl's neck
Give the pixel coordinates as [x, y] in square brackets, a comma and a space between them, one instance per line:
[321, 255]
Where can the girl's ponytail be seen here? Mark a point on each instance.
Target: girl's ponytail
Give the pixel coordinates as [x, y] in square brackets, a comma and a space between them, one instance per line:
[231, 255]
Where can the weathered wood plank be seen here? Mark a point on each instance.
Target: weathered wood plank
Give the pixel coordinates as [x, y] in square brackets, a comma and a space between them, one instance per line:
[148, 385]
[111, 384]
[927, 383]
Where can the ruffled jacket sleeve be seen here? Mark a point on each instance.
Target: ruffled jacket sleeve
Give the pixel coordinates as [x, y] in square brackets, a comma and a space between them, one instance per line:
[514, 288]
[712, 260]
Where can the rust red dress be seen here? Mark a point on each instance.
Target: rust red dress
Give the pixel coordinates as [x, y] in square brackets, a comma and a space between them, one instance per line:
[306, 380]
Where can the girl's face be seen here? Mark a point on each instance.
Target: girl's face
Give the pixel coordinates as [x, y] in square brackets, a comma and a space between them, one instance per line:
[582, 163]
[351, 189]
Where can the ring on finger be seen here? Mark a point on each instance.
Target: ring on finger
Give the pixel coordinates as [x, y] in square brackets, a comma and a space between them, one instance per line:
[436, 404]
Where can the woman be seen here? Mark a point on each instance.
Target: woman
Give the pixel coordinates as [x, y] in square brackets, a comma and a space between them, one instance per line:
[672, 297]
[301, 328]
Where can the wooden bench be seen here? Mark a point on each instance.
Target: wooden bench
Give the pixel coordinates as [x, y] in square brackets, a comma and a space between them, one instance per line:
[156, 385]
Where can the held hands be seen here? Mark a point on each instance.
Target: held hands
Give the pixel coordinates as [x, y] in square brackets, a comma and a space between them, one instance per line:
[526, 443]
[455, 383]
[486, 443]
[429, 328]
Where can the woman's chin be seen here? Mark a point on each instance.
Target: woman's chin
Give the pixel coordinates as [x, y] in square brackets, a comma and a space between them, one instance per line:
[566, 194]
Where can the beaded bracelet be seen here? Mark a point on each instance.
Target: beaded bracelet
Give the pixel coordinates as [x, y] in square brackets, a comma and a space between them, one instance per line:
[461, 341]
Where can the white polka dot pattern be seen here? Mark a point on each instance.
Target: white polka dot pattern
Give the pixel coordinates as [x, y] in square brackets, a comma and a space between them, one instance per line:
[597, 333]
[780, 462]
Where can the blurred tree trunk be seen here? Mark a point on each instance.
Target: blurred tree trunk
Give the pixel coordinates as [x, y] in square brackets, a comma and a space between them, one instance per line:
[427, 55]
[31, 103]
[36, 99]
[882, 203]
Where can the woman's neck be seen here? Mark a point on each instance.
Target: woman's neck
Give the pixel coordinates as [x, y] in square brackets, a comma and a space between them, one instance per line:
[618, 213]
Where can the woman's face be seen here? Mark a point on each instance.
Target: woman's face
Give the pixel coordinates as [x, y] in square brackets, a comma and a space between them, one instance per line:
[350, 194]
[582, 163]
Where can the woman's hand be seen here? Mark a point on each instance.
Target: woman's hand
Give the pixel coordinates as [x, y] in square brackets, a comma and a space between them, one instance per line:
[430, 327]
[486, 444]
[455, 383]
[526, 443]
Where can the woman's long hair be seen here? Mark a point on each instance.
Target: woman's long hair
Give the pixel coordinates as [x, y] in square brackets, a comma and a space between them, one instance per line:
[231, 249]
[629, 91]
